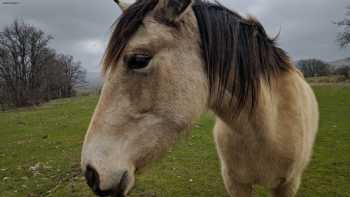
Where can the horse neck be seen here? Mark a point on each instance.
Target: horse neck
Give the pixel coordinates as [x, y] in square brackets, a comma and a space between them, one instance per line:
[270, 98]
[225, 109]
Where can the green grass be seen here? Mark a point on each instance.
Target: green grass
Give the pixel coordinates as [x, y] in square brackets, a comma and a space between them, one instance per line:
[40, 153]
[331, 79]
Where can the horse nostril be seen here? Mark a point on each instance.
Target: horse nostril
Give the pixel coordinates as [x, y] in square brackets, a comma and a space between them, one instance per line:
[123, 183]
[92, 178]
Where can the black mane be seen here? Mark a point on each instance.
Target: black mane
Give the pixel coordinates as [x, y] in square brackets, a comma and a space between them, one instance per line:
[233, 47]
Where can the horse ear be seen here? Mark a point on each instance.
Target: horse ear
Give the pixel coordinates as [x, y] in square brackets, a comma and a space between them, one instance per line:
[124, 4]
[174, 10]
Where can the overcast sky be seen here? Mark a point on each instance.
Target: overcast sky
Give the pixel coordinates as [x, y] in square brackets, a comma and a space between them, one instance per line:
[81, 27]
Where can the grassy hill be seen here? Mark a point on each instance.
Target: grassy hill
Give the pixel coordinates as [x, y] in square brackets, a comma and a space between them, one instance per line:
[40, 153]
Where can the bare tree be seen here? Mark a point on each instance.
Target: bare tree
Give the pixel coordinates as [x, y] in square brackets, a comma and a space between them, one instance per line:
[73, 74]
[314, 68]
[344, 37]
[22, 47]
[32, 72]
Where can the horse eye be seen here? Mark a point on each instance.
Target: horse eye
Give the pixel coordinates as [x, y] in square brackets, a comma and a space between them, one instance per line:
[137, 61]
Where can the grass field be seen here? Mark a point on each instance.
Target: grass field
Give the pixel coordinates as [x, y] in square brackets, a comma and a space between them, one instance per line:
[40, 153]
[332, 79]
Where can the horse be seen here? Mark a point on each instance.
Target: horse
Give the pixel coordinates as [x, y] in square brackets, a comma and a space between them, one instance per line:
[169, 61]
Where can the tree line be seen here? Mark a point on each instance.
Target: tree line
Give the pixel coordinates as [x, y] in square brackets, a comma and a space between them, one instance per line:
[315, 67]
[31, 72]
[318, 68]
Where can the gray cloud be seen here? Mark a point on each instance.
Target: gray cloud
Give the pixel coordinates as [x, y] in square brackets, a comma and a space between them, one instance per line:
[81, 27]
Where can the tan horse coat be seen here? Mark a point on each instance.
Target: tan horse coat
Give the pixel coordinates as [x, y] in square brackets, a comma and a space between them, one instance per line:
[274, 147]
[143, 109]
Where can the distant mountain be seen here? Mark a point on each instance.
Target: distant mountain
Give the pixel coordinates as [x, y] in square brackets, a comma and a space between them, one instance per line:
[94, 79]
[341, 62]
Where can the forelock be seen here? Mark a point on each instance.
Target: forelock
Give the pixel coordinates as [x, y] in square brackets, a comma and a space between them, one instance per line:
[125, 27]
